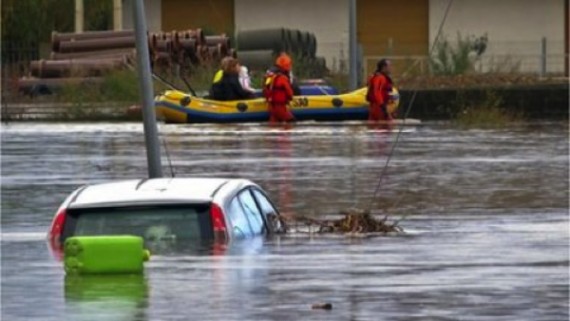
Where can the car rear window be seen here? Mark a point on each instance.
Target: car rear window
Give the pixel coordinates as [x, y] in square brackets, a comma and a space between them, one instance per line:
[181, 222]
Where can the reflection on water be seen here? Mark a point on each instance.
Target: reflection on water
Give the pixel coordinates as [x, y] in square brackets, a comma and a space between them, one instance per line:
[103, 297]
[486, 220]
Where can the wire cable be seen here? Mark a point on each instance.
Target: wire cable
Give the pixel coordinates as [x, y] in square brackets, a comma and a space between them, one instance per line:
[172, 173]
[408, 109]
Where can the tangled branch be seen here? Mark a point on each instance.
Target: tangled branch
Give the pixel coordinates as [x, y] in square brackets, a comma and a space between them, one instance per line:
[354, 221]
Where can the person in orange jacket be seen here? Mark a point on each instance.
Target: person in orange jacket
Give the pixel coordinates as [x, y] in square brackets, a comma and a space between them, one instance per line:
[278, 91]
[379, 89]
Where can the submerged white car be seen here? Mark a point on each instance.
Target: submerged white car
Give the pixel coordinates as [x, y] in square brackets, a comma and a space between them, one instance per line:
[167, 208]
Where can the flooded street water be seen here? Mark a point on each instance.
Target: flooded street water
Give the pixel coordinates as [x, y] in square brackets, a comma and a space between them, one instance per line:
[486, 220]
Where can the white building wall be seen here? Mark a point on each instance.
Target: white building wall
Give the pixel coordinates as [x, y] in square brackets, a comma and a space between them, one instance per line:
[514, 27]
[327, 19]
[153, 14]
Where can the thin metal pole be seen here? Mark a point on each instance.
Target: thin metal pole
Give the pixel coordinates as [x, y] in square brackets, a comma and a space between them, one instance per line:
[352, 45]
[543, 57]
[147, 91]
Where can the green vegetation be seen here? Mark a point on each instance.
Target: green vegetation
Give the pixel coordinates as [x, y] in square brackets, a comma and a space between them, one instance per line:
[28, 23]
[200, 78]
[457, 59]
[117, 86]
[487, 112]
[34, 20]
[118, 90]
[121, 85]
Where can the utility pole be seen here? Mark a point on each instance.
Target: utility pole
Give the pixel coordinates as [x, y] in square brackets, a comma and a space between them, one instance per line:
[352, 46]
[79, 16]
[146, 91]
[543, 57]
[117, 15]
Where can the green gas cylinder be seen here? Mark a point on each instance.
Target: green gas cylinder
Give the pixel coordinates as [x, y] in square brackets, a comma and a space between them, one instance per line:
[112, 254]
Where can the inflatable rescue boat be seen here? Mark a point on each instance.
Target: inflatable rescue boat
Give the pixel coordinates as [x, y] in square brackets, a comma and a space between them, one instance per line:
[180, 107]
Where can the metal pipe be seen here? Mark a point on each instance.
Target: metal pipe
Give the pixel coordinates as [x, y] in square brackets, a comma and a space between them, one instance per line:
[146, 90]
[79, 15]
[106, 34]
[58, 38]
[264, 39]
[96, 44]
[117, 15]
[93, 54]
[256, 59]
[76, 67]
[352, 46]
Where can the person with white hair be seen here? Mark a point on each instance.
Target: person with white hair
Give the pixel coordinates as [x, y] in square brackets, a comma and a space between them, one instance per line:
[245, 80]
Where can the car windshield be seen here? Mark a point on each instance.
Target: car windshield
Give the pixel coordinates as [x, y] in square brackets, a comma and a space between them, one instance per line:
[153, 223]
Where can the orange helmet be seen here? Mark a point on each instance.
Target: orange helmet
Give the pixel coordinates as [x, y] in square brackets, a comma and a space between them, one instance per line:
[284, 62]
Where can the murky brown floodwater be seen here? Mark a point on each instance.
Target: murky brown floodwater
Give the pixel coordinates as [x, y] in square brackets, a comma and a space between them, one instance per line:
[487, 224]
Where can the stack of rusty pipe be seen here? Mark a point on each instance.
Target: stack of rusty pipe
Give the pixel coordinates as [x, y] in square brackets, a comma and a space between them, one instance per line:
[188, 48]
[79, 58]
[91, 55]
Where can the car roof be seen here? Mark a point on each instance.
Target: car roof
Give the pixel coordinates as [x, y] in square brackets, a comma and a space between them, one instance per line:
[154, 191]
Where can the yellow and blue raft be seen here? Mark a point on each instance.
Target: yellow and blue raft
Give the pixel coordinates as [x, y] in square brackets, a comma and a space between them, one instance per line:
[175, 106]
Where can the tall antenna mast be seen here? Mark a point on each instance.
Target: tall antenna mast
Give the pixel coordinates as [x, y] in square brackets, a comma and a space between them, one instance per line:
[146, 91]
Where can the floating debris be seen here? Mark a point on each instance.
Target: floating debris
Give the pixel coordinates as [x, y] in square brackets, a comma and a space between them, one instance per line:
[322, 306]
[355, 222]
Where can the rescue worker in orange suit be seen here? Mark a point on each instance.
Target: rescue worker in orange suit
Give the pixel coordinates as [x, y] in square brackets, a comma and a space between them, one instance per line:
[278, 91]
[379, 89]
[273, 69]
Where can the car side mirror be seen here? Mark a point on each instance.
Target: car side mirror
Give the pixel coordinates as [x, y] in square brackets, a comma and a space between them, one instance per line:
[275, 223]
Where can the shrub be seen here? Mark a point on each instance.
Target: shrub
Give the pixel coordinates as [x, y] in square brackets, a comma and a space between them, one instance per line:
[120, 85]
[459, 58]
[487, 112]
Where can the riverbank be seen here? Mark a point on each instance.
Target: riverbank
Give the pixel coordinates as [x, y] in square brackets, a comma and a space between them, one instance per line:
[548, 101]
[57, 111]
[436, 98]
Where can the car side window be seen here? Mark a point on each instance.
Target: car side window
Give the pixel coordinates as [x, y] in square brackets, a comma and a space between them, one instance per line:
[252, 212]
[239, 221]
[269, 212]
[264, 203]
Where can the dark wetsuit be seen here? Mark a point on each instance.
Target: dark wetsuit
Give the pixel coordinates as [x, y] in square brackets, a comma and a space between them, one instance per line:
[229, 88]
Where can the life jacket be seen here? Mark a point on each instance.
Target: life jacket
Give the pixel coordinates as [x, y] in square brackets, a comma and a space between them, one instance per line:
[218, 76]
[217, 90]
[268, 79]
[272, 93]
